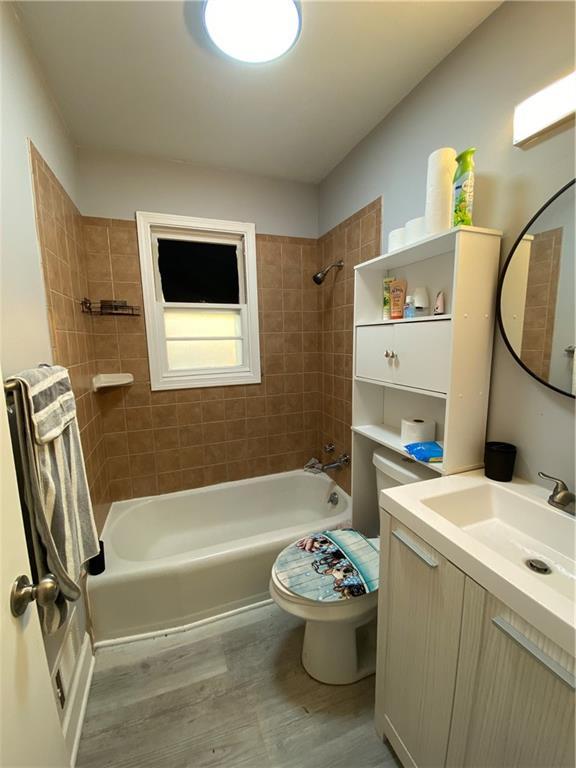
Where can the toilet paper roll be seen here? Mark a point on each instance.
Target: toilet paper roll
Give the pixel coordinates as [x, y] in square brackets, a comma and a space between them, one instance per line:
[415, 230]
[441, 168]
[417, 430]
[396, 239]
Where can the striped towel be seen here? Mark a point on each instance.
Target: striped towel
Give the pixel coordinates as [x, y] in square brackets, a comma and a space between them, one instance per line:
[56, 486]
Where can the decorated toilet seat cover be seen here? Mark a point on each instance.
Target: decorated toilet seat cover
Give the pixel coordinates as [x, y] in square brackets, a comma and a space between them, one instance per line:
[329, 566]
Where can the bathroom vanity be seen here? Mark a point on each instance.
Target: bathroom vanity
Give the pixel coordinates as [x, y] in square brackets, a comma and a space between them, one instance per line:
[475, 637]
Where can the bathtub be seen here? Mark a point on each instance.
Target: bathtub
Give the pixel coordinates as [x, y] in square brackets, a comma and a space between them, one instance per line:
[175, 559]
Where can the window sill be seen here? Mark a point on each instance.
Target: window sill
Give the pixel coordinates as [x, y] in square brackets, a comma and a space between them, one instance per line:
[206, 380]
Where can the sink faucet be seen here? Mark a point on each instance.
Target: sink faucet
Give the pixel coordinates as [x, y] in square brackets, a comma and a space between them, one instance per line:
[561, 497]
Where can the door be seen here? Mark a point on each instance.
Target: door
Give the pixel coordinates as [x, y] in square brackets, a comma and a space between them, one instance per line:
[423, 355]
[420, 601]
[374, 344]
[514, 703]
[30, 734]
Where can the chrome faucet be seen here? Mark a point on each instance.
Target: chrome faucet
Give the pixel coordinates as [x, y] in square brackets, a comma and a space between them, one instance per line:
[315, 467]
[341, 461]
[561, 497]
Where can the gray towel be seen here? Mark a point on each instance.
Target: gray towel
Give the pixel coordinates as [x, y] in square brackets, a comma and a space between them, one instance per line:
[56, 487]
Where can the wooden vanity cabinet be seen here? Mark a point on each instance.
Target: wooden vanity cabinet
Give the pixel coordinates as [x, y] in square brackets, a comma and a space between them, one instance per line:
[462, 680]
[514, 696]
[420, 612]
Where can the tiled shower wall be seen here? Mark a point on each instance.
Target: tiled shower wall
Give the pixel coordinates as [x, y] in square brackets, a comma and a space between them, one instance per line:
[158, 442]
[138, 442]
[62, 250]
[355, 240]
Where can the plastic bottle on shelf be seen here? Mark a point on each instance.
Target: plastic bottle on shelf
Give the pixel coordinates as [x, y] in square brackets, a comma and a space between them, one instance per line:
[409, 307]
[463, 194]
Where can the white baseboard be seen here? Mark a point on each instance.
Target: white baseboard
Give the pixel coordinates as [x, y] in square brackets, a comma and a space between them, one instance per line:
[78, 699]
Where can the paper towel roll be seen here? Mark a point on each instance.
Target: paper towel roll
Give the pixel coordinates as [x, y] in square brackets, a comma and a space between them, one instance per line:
[441, 168]
[417, 430]
[396, 239]
[415, 230]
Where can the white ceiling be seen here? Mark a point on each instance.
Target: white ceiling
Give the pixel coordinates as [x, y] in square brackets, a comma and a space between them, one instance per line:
[137, 77]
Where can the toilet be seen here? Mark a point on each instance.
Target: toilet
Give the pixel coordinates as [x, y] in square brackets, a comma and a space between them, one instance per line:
[330, 579]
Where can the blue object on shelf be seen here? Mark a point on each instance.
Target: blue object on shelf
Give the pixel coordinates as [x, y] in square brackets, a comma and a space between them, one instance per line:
[430, 452]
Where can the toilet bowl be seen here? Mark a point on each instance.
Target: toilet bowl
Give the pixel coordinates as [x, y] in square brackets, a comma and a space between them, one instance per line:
[330, 579]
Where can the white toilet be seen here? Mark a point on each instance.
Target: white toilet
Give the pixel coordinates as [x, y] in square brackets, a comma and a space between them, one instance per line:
[330, 579]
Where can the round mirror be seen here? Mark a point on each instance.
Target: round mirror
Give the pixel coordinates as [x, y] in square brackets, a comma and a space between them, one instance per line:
[536, 295]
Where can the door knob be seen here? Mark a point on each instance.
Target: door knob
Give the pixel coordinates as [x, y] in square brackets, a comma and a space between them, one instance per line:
[23, 593]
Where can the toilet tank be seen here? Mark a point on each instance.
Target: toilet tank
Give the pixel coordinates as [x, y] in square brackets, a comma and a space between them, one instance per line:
[393, 469]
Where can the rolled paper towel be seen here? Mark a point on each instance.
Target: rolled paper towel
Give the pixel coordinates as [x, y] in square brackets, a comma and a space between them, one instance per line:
[441, 168]
[396, 239]
[417, 431]
[415, 229]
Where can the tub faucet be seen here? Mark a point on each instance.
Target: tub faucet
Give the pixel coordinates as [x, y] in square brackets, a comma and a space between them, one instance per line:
[341, 461]
[316, 467]
[561, 497]
[313, 466]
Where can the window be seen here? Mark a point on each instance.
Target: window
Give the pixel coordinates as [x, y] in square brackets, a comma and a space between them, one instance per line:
[200, 301]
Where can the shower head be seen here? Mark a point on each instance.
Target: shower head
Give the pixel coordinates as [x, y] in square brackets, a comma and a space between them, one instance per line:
[319, 277]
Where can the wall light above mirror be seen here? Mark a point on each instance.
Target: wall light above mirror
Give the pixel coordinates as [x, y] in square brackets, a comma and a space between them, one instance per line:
[545, 109]
[536, 295]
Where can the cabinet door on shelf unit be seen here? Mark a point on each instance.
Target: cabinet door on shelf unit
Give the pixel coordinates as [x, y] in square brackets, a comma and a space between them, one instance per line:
[372, 344]
[423, 355]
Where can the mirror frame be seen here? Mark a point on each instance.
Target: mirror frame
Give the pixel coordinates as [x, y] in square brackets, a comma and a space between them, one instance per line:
[501, 283]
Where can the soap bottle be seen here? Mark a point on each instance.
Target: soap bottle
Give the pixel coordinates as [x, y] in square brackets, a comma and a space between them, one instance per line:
[463, 190]
[409, 307]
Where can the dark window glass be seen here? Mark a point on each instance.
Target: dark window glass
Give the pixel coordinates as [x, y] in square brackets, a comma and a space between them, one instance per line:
[198, 272]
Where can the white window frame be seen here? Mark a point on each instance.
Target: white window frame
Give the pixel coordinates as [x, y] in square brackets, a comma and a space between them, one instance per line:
[150, 226]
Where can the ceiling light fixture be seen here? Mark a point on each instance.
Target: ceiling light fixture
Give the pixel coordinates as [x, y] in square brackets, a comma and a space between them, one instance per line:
[254, 31]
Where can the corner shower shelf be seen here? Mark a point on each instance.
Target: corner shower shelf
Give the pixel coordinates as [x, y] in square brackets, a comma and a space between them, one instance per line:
[107, 380]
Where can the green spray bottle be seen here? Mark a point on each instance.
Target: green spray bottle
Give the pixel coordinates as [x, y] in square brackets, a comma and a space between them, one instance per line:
[463, 190]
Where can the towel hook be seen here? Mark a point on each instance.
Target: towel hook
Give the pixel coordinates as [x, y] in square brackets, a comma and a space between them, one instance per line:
[23, 593]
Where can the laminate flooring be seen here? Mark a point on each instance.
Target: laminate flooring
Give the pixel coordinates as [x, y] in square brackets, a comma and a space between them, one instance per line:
[229, 694]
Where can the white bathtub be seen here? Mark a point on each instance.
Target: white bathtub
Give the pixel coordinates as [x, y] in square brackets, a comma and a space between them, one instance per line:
[175, 559]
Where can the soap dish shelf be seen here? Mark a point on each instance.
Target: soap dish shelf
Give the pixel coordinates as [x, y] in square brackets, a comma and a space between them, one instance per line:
[107, 380]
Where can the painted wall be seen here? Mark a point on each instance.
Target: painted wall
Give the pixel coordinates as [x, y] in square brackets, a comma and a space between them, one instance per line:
[468, 100]
[115, 186]
[27, 112]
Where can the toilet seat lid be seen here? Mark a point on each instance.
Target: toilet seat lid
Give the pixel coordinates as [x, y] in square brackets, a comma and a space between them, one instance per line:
[329, 566]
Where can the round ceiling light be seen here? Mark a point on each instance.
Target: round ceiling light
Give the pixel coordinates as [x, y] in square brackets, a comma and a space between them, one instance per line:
[252, 30]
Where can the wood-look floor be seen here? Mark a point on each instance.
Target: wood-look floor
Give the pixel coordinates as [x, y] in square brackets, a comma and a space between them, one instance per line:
[231, 694]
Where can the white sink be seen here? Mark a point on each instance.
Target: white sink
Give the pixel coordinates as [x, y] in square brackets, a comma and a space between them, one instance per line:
[490, 530]
[517, 528]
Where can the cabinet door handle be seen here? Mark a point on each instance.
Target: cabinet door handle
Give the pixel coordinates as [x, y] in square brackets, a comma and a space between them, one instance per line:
[418, 551]
[554, 667]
